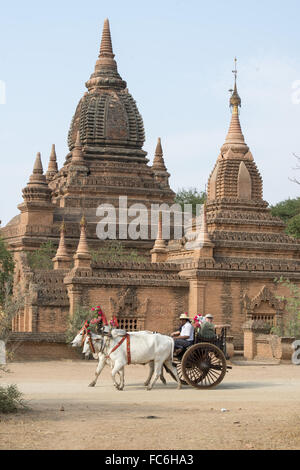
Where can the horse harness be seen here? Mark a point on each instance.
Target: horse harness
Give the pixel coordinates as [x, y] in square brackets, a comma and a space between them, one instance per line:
[126, 337]
[87, 334]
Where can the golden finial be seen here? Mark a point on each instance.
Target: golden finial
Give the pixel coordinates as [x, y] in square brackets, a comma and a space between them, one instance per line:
[83, 221]
[235, 100]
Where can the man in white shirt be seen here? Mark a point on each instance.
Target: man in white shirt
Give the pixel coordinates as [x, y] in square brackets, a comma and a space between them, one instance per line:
[184, 337]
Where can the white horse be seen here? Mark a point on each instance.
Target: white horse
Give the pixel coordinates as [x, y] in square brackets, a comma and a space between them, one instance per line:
[144, 348]
[78, 341]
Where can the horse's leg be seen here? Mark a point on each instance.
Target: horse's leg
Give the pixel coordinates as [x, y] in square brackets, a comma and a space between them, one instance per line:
[99, 369]
[162, 376]
[170, 372]
[168, 364]
[116, 369]
[158, 368]
[151, 370]
[119, 374]
[122, 378]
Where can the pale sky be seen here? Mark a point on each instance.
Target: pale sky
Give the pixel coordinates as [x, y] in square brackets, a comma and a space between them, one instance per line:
[177, 58]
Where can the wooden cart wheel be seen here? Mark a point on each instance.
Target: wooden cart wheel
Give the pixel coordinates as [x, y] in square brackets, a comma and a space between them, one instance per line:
[180, 374]
[203, 365]
[176, 363]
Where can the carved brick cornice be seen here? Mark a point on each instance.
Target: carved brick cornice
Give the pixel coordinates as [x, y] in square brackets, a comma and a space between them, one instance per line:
[82, 279]
[260, 219]
[147, 274]
[233, 203]
[253, 267]
[134, 266]
[255, 237]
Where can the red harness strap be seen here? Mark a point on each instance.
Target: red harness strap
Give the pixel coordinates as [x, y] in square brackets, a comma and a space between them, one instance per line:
[84, 335]
[127, 347]
[91, 344]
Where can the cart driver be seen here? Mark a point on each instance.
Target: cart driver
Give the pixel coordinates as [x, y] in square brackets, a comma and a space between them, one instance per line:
[184, 337]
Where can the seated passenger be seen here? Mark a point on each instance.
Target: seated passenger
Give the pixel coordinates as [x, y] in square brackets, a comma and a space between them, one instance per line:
[184, 337]
[207, 330]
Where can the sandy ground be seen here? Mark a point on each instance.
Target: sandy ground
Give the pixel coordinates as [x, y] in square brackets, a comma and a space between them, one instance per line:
[262, 403]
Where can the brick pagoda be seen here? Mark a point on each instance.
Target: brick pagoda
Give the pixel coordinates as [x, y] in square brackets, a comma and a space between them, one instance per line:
[228, 270]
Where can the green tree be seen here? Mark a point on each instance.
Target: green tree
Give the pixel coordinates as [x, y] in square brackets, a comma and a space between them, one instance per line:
[42, 257]
[76, 321]
[12, 306]
[114, 251]
[190, 196]
[9, 306]
[293, 226]
[286, 209]
[289, 211]
[291, 324]
[6, 271]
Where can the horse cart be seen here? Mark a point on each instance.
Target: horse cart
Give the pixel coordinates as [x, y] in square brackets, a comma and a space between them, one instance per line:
[203, 364]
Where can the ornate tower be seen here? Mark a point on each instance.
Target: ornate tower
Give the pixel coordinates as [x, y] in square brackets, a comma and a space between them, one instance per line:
[159, 167]
[235, 179]
[240, 248]
[106, 158]
[105, 161]
[52, 167]
[236, 210]
[37, 208]
[107, 117]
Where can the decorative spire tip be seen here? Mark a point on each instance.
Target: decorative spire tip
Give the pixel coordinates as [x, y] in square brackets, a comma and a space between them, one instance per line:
[235, 100]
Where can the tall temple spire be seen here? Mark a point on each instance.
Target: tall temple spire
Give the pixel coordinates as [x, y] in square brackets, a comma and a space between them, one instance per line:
[203, 240]
[158, 253]
[106, 72]
[37, 186]
[235, 175]
[159, 167]
[52, 167]
[158, 162]
[235, 134]
[107, 115]
[106, 49]
[37, 208]
[82, 257]
[62, 260]
[82, 247]
[37, 177]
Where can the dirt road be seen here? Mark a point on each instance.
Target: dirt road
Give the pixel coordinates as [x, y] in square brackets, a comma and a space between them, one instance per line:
[262, 403]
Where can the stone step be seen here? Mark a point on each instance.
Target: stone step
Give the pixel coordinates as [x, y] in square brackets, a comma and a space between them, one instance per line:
[239, 353]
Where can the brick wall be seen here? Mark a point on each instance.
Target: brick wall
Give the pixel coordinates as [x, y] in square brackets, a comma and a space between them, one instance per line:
[40, 346]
